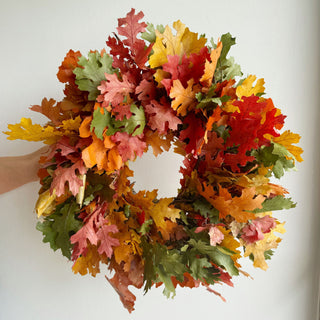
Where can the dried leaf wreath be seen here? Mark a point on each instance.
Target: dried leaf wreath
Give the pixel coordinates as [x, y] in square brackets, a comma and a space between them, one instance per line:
[159, 87]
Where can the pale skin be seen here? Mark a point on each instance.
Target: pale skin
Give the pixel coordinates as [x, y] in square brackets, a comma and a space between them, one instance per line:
[19, 170]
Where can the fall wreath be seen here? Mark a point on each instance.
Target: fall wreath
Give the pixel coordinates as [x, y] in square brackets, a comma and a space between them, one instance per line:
[160, 89]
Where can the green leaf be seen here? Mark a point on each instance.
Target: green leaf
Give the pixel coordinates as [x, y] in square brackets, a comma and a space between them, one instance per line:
[231, 69]
[206, 210]
[100, 122]
[200, 269]
[150, 34]
[215, 255]
[49, 234]
[134, 125]
[99, 185]
[268, 254]
[274, 155]
[145, 228]
[226, 68]
[59, 226]
[93, 72]
[277, 203]
[227, 42]
[127, 211]
[160, 265]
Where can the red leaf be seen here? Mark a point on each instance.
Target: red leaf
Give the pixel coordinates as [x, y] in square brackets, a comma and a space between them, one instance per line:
[130, 26]
[63, 175]
[122, 111]
[50, 110]
[141, 53]
[122, 280]
[146, 90]
[129, 147]
[193, 133]
[106, 242]
[64, 146]
[87, 232]
[121, 55]
[65, 73]
[113, 90]
[162, 117]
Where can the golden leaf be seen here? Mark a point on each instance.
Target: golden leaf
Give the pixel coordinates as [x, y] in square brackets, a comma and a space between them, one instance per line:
[286, 139]
[270, 241]
[247, 88]
[210, 67]
[25, 130]
[46, 203]
[184, 98]
[89, 263]
[162, 211]
[184, 42]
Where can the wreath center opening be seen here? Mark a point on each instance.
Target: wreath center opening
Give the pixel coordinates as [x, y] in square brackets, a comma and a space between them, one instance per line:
[161, 172]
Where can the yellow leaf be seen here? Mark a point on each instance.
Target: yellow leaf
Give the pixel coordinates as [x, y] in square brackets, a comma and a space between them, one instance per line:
[25, 130]
[157, 142]
[210, 67]
[232, 244]
[184, 42]
[229, 107]
[247, 88]
[98, 154]
[286, 139]
[71, 125]
[162, 211]
[184, 99]
[259, 182]
[128, 248]
[237, 207]
[89, 263]
[46, 203]
[270, 241]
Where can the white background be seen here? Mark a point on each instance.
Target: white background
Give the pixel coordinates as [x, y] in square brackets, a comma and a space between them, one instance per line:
[277, 40]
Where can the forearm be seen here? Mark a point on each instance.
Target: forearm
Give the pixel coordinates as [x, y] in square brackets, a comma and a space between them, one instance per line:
[17, 171]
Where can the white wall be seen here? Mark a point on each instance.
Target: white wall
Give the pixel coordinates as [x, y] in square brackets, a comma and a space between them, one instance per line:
[277, 40]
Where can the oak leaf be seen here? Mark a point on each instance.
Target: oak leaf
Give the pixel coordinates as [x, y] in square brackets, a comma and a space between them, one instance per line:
[161, 117]
[68, 175]
[167, 44]
[26, 130]
[70, 62]
[236, 207]
[163, 211]
[258, 249]
[50, 110]
[288, 138]
[130, 27]
[247, 88]
[157, 142]
[210, 66]
[129, 147]
[106, 242]
[113, 91]
[89, 262]
[184, 99]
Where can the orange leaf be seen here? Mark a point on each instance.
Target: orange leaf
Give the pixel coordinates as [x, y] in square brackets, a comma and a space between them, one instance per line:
[157, 142]
[236, 207]
[97, 154]
[163, 211]
[84, 130]
[89, 263]
[210, 67]
[184, 99]
[286, 139]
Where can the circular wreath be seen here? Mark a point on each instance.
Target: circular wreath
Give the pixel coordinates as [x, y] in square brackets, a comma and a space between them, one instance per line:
[164, 88]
